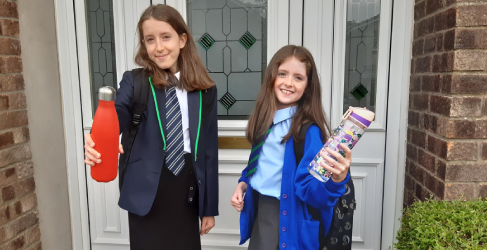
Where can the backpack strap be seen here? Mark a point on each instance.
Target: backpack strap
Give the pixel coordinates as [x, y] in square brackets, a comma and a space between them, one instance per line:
[139, 104]
[299, 146]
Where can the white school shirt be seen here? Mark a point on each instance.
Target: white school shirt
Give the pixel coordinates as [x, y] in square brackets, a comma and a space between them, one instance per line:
[182, 96]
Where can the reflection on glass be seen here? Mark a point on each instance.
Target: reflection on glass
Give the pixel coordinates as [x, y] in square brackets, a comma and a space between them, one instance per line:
[361, 53]
[230, 36]
[101, 46]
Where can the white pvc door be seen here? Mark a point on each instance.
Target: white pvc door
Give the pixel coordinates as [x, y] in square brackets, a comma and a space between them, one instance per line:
[107, 39]
[350, 40]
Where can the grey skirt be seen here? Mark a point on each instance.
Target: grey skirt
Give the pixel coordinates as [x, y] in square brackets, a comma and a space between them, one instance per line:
[265, 233]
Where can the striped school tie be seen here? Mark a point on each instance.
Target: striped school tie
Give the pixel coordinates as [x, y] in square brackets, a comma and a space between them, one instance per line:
[254, 154]
[174, 128]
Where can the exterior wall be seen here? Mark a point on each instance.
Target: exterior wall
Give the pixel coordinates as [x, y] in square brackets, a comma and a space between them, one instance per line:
[447, 145]
[19, 221]
[43, 90]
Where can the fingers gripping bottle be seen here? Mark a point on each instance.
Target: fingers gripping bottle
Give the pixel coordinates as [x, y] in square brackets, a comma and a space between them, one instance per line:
[105, 133]
[349, 132]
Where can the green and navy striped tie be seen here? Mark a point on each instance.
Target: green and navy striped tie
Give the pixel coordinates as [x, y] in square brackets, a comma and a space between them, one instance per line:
[254, 154]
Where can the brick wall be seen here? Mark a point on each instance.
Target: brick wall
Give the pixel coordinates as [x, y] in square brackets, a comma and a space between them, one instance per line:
[19, 223]
[447, 133]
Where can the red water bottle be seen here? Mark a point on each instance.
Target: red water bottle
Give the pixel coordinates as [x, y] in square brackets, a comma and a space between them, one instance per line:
[105, 133]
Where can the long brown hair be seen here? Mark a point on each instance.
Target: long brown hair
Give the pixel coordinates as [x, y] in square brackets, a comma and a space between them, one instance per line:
[193, 73]
[310, 108]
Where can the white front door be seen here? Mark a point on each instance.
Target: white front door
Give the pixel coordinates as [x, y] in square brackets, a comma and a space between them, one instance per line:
[350, 40]
[234, 38]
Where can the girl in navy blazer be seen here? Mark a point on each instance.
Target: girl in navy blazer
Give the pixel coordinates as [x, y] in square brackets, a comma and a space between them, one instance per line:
[274, 213]
[171, 178]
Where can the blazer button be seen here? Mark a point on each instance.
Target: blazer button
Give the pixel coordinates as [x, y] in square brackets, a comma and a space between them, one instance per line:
[284, 212]
[190, 199]
[283, 229]
[191, 188]
[283, 245]
[199, 182]
[284, 196]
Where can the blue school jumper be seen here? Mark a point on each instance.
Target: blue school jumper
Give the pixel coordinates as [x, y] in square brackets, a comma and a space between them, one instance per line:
[298, 188]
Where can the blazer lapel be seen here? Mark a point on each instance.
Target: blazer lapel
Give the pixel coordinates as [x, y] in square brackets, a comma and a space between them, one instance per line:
[193, 113]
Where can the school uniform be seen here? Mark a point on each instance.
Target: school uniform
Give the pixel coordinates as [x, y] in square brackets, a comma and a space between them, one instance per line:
[275, 214]
[164, 206]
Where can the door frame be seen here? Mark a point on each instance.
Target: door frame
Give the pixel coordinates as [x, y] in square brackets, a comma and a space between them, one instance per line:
[396, 119]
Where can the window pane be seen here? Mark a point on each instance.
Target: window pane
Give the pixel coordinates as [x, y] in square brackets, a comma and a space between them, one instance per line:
[230, 36]
[101, 46]
[361, 53]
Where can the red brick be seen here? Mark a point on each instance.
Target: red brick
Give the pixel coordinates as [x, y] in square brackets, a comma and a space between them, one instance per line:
[24, 169]
[430, 44]
[457, 191]
[483, 190]
[13, 119]
[466, 172]
[2, 61]
[426, 160]
[8, 9]
[430, 122]
[437, 146]
[10, 28]
[3, 102]
[484, 151]
[29, 202]
[449, 40]
[36, 246]
[17, 101]
[445, 19]
[472, 15]
[463, 129]
[462, 151]
[16, 244]
[419, 10]
[13, 64]
[426, 26]
[8, 193]
[420, 101]
[15, 154]
[418, 47]
[417, 137]
[33, 234]
[434, 185]
[10, 212]
[21, 224]
[9, 46]
[465, 84]
[431, 83]
[423, 193]
[409, 183]
[412, 152]
[11, 83]
[6, 139]
[471, 39]
[413, 118]
[21, 135]
[443, 62]
[466, 60]
[440, 105]
[423, 64]
[8, 176]
[439, 42]
[415, 84]
[433, 5]
[417, 172]
[441, 169]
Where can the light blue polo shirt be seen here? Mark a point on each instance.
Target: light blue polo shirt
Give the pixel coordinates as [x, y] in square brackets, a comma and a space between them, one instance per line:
[268, 177]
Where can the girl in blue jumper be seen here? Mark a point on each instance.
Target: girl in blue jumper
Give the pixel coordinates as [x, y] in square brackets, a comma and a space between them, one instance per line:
[274, 212]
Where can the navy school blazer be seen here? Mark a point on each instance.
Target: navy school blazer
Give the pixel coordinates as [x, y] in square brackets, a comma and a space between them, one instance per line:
[141, 179]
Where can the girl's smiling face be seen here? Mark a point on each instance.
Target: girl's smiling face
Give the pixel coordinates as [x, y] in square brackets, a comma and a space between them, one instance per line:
[290, 83]
[163, 44]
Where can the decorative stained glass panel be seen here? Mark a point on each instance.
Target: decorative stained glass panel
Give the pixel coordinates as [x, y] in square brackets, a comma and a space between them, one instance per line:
[101, 46]
[230, 37]
[361, 53]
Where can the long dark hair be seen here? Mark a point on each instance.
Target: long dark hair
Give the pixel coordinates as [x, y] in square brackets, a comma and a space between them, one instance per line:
[310, 108]
[193, 73]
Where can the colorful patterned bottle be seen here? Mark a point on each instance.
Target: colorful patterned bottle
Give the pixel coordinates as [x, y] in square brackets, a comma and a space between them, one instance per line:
[350, 130]
[105, 134]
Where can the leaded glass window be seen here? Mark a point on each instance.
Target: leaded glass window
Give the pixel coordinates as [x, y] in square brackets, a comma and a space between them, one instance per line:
[101, 46]
[361, 53]
[230, 36]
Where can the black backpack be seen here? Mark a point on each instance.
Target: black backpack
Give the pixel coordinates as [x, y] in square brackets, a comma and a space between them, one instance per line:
[339, 235]
[141, 96]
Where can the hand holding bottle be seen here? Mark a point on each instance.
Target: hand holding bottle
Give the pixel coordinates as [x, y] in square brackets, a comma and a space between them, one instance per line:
[92, 156]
